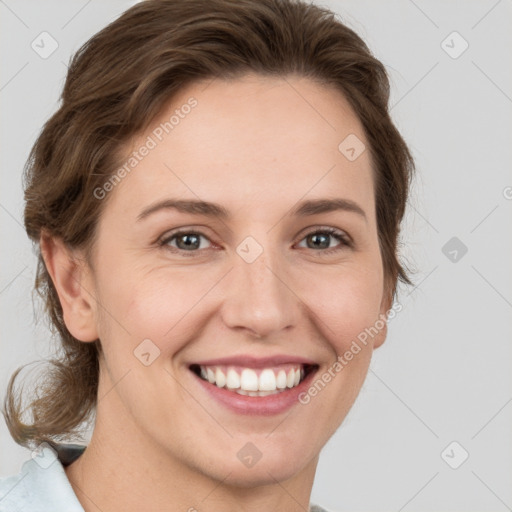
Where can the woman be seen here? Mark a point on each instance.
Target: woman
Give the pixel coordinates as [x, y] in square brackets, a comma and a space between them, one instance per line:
[217, 204]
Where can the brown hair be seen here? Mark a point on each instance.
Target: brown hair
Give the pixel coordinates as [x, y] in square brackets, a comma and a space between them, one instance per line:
[117, 83]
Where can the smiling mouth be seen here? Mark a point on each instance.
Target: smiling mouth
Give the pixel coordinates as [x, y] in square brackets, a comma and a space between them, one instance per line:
[254, 381]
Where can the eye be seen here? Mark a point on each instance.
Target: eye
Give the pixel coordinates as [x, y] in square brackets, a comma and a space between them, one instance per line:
[186, 241]
[321, 238]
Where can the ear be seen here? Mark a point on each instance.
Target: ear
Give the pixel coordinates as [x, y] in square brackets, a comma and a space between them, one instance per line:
[385, 306]
[71, 278]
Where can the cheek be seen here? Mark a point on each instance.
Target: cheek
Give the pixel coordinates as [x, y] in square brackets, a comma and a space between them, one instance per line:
[132, 308]
[159, 305]
[346, 303]
[152, 311]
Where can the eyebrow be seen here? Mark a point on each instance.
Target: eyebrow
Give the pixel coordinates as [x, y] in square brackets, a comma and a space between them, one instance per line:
[303, 209]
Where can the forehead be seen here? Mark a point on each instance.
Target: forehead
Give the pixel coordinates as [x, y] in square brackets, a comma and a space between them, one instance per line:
[264, 140]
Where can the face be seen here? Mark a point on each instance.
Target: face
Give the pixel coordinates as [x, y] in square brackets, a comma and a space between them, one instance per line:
[268, 286]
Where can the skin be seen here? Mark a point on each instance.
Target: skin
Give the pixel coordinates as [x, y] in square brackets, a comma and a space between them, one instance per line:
[256, 145]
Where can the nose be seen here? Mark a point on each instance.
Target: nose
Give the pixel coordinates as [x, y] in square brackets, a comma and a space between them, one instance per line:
[258, 299]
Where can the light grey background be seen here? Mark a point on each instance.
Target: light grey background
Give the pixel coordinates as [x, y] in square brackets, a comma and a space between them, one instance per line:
[444, 373]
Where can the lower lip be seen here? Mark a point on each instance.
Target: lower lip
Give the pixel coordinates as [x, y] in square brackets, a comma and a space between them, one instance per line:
[257, 405]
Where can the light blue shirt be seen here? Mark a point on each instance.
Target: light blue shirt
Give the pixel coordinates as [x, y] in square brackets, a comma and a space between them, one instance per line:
[43, 486]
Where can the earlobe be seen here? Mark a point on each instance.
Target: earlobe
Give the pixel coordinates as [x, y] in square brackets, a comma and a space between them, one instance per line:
[69, 276]
[382, 322]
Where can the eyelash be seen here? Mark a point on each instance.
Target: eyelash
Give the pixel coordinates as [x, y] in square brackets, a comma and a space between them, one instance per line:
[345, 241]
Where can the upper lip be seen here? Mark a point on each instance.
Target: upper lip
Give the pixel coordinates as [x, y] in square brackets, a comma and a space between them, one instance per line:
[249, 361]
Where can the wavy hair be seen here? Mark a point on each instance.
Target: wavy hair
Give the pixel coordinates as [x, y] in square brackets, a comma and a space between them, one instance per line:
[117, 83]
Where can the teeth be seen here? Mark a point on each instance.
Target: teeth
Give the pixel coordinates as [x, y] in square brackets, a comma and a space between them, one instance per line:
[281, 379]
[248, 380]
[290, 379]
[232, 379]
[268, 381]
[256, 393]
[220, 378]
[252, 382]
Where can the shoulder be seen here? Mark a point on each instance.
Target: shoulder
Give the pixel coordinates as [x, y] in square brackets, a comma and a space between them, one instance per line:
[42, 484]
[318, 508]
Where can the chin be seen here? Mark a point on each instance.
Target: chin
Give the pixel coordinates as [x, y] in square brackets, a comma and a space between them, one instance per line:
[262, 474]
[269, 465]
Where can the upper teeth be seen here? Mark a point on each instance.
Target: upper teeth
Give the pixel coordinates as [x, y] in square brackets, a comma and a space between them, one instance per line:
[251, 381]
